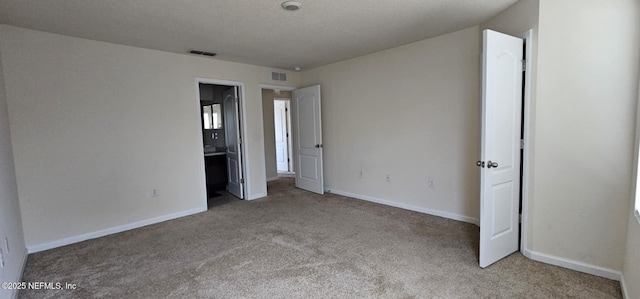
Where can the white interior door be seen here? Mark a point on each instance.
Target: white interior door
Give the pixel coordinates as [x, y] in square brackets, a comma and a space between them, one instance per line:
[234, 142]
[500, 151]
[282, 135]
[308, 139]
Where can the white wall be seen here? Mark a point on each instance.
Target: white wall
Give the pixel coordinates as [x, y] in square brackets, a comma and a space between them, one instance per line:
[412, 112]
[10, 220]
[585, 118]
[271, 169]
[95, 126]
[631, 268]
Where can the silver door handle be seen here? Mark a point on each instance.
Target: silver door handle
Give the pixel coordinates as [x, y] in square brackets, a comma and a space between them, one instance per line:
[480, 163]
[318, 145]
[492, 164]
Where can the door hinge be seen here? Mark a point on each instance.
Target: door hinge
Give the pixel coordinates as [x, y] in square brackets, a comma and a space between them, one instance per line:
[241, 181]
[524, 65]
[520, 218]
[288, 160]
[521, 143]
[239, 141]
[286, 109]
[287, 135]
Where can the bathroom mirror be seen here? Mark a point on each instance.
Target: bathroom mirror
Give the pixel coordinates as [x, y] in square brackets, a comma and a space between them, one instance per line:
[212, 116]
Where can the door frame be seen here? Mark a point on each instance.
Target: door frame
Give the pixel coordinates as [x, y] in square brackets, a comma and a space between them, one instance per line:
[526, 158]
[242, 122]
[272, 87]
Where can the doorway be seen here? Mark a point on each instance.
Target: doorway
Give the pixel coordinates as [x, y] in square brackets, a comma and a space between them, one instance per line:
[306, 136]
[505, 138]
[282, 126]
[220, 110]
[276, 114]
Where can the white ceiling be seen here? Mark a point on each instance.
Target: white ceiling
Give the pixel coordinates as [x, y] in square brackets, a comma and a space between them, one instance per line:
[257, 32]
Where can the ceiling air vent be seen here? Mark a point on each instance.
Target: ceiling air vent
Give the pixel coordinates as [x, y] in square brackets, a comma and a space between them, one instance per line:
[204, 53]
[275, 76]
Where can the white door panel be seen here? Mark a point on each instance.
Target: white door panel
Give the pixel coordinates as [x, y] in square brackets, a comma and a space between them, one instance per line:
[308, 139]
[306, 109]
[308, 167]
[282, 144]
[232, 134]
[500, 150]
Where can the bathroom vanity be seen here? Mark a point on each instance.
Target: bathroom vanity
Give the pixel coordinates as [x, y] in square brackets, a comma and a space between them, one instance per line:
[216, 171]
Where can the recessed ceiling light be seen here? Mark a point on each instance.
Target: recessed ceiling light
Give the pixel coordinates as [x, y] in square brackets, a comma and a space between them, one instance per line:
[297, 68]
[291, 5]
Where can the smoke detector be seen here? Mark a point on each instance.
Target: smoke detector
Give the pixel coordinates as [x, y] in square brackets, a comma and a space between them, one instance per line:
[291, 5]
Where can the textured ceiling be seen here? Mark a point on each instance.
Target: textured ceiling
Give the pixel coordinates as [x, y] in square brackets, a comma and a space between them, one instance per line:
[254, 31]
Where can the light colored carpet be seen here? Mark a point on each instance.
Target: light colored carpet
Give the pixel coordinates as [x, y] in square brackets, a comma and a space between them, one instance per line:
[295, 244]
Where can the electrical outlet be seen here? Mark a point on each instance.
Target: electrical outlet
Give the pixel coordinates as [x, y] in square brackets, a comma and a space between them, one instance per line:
[154, 192]
[361, 174]
[6, 244]
[387, 178]
[1, 259]
[432, 184]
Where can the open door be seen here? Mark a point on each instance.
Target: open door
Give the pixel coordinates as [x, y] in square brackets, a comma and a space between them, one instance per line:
[500, 150]
[308, 139]
[234, 142]
[281, 125]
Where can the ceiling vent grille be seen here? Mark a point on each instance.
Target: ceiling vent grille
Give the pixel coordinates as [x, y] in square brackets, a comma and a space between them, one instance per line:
[275, 76]
[204, 53]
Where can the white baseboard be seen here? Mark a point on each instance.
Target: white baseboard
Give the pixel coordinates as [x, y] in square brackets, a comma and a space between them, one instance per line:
[273, 178]
[623, 286]
[408, 207]
[574, 265]
[256, 196]
[112, 230]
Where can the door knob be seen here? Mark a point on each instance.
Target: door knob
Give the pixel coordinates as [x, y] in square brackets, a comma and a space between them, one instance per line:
[318, 145]
[492, 164]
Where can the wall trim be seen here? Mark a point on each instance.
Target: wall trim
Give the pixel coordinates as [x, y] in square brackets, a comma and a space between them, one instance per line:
[112, 230]
[527, 158]
[573, 265]
[272, 86]
[623, 287]
[256, 196]
[438, 213]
